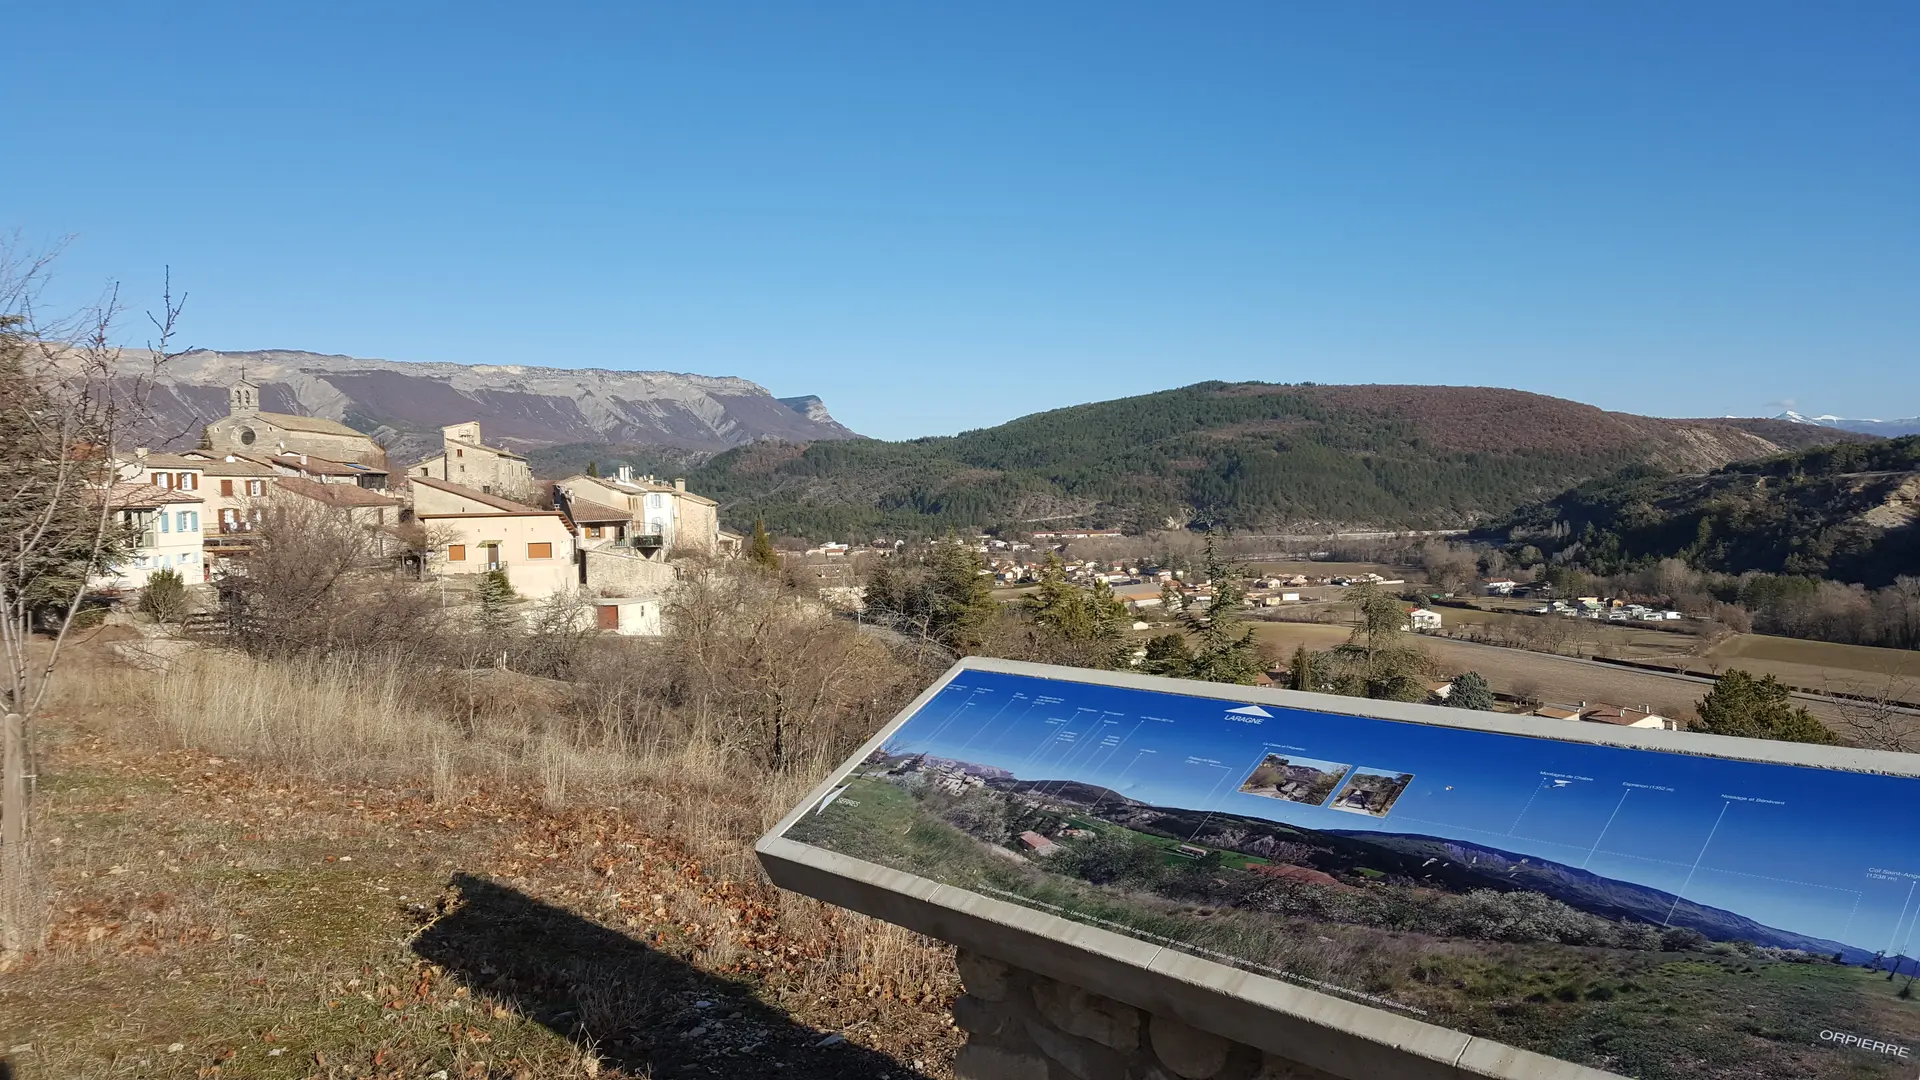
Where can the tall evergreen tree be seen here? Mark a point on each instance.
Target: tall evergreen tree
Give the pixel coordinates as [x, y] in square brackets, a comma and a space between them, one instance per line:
[1090, 622]
[940, 591]
[1377, 661]
[760, 548]
[1307, 671]
[1220, 645]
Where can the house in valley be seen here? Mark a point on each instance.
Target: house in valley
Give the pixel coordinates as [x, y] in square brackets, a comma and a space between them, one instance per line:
[595, 525]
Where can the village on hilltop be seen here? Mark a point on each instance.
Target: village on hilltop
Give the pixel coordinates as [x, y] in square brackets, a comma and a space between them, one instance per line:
[469, 512]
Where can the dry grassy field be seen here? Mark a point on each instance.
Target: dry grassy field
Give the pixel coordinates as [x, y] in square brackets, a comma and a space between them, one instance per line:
[272, 871]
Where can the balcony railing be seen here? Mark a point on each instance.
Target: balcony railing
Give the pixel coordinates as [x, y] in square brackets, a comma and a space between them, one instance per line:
[489, 567]
[648, 541]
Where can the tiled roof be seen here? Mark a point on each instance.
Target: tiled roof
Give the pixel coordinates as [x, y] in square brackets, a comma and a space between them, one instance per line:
[592, 513]
[227, 465]
[502, 451]
[477, 495]
[146, 496]
[167, 461]
[315, 424]
[319, 466]
[1614, 714]
[343, 495]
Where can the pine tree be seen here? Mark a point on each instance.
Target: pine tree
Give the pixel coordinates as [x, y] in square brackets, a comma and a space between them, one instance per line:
[593, 468]
[1307, 671]
[494, 592]
[1222, 648]
[1471, 691]
[760, 548]
[1377, 662]
[1092, 621]
[1741, 705]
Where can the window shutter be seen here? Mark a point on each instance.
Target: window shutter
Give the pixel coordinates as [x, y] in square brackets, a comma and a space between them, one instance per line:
[226, 487]
[539, 551]
[456, 553]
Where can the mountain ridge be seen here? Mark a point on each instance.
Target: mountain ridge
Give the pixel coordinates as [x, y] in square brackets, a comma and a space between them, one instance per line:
[521, 406]
[1301, 457]
[1886, 429]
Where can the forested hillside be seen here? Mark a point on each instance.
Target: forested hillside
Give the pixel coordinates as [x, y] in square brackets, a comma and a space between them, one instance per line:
[1250, 455]
[1847, 512]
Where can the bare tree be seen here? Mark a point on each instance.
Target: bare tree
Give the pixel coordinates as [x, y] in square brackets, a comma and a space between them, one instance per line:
[1880, 717]
[67, 394]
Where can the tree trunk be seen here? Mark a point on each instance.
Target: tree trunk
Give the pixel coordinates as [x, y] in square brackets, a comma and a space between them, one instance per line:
[18, 918]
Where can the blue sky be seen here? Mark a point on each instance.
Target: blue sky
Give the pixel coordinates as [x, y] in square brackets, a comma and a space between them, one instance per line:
[1806, 850]
[944, 218]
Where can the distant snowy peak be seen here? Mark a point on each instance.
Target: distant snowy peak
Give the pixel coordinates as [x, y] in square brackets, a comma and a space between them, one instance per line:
[1886, 429]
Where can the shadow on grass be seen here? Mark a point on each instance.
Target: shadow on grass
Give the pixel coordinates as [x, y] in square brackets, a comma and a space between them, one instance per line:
[638, 1008]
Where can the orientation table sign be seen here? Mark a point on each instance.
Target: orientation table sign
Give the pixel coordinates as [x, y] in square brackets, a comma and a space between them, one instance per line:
[1644, 912]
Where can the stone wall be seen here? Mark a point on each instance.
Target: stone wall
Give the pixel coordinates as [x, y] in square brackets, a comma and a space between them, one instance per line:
[612, 572]
[1023, 1026]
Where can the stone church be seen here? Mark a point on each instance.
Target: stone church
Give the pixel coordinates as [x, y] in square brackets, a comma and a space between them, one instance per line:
[247, 430]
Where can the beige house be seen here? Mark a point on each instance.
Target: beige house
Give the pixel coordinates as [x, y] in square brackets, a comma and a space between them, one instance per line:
[247, 430]
[678, 518]
[595, 526]
[464, 459]
[474, 532]
[369, 508]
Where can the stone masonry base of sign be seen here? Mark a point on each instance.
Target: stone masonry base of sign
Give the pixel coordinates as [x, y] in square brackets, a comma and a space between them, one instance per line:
[1023, 1026]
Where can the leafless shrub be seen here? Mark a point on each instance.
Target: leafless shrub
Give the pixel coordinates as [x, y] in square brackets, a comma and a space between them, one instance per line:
[316, 582]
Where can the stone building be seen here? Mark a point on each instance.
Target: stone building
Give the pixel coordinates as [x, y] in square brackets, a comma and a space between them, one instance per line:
[665, 516]
[247, 430]
[464, 459]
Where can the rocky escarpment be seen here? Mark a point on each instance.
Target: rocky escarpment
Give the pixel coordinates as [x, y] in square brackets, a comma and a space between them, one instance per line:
[524, 407]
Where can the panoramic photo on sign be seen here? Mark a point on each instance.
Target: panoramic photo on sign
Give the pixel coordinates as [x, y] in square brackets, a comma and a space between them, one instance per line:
[1650, 913]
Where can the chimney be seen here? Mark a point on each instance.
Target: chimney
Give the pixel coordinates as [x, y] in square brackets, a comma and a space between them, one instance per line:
[624, 474]
[679, 484]
[303, 461]
[140, 452]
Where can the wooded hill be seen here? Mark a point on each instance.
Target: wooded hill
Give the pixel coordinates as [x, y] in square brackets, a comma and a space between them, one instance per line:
[1248, 455]
[1849, 513]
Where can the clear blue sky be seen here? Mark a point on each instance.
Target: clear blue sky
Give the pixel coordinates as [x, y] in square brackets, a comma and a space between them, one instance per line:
[1794, 848]
[939, 218]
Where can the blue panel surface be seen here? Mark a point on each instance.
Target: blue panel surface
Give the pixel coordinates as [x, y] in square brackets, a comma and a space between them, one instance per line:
[1655, 914]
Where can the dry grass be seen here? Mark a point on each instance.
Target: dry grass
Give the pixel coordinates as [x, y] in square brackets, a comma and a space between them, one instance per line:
[571, 886]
